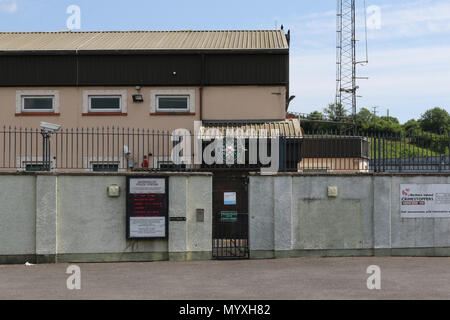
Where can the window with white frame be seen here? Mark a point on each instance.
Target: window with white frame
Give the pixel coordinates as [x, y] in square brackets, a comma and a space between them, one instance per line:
[172, 103]
[105, 103]
[32, 163]
[105, 167]
[105, 164]
[182, 101]
[97, 101]
[37, 101]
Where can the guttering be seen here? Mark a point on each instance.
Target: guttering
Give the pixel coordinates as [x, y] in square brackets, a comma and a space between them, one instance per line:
[142, 52]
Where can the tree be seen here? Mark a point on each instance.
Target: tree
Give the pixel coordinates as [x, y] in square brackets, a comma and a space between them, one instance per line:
[314, 124]
[315, 115]
[368, 122]
[335, 112]
[435, 120]
[365, 115]
[390, 119]
[411, 126]
[363, 119]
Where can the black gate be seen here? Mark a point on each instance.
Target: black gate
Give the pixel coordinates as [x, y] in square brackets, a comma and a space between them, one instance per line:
[230, 216]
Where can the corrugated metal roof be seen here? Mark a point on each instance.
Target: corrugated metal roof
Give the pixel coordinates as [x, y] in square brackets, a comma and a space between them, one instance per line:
[287, 128]
[144, 40]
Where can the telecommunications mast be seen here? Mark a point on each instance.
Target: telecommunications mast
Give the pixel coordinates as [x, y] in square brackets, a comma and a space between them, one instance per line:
[346, 62]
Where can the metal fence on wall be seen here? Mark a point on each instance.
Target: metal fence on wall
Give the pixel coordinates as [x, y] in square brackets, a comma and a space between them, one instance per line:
[128, 149]
[376, 152]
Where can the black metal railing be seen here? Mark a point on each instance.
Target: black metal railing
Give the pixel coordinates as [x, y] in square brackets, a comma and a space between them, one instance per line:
[375, 152]
[129, 149]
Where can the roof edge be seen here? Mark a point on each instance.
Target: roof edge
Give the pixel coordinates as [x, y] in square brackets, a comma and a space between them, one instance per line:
[142, 51]
[138, 31]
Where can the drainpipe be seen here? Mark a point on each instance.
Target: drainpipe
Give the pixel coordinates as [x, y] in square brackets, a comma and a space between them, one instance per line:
[202, 86]
[201, 103]
[288, 97]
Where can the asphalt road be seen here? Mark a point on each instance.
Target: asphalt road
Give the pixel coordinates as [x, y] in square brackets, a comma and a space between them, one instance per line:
[305, 278]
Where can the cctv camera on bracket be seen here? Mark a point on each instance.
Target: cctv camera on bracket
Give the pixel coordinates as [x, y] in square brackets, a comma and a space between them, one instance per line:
[50, 127]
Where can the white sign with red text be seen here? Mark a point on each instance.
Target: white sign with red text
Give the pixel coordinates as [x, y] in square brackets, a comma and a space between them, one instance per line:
[425, 200]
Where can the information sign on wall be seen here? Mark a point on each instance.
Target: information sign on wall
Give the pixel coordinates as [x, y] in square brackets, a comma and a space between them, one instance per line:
[147, 207]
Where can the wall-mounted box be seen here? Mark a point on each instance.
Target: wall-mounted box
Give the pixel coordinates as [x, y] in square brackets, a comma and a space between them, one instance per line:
[333, 192]
[200, 215]
[113, 191]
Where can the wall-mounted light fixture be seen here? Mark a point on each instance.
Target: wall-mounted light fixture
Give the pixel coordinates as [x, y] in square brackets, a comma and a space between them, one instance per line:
[138, 98]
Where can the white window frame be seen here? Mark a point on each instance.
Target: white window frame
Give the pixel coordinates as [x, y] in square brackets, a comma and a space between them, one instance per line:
[154, 101]
[187, 109]
[100, 163]
[22, 94]
[38, 110]
[158, 160]
[23, 161]
[104, 110]
[104, 93]
[90, 161]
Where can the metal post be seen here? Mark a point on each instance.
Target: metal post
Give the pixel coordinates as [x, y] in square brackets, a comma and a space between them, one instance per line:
[46, 155]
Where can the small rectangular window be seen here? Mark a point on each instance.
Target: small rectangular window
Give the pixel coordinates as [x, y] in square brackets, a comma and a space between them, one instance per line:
[105, 103]
[35, 167]
[173, 103]
[168, 165]
[105, 167]
[38, 104]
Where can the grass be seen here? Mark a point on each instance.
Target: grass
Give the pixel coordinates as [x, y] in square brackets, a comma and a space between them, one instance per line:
[402, 146]
[401, 149]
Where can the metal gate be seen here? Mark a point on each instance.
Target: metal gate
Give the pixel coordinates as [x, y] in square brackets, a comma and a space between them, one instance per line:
[230, 216]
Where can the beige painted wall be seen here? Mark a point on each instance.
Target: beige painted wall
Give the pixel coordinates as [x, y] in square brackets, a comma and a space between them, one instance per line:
[229, 103]
[219, 103]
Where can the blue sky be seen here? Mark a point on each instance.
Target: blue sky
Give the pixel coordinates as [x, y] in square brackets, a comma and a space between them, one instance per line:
[409, 54]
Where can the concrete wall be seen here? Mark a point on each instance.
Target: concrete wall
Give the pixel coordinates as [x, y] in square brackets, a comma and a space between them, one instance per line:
[17, 217]
[292, 215]
[70, 218]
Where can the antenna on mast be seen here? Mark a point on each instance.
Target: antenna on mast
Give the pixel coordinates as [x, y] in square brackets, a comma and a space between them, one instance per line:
[346, 87]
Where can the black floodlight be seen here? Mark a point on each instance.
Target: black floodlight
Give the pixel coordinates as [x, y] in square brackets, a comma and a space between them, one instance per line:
[138, 98]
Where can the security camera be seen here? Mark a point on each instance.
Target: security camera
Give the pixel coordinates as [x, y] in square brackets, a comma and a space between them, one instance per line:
[50, 127]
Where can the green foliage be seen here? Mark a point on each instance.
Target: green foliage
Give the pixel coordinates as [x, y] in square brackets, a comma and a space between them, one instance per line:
[335, 112]
[434, 142]
[430, 135]
[367, 122]
[411, 126]
[404, 148]
[435, 120]
[314, 126]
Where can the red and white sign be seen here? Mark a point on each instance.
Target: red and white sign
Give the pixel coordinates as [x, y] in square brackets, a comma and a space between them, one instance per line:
[425, 200]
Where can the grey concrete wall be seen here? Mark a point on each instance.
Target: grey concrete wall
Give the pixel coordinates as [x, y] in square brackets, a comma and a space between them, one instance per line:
[70, 218]
[190, 239]
[17, 215]
[416, 233]
[91, 222]
[199, 233]
[292, 214]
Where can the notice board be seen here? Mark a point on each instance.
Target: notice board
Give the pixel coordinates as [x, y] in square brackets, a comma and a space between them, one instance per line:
[425, 200]
[147, 207]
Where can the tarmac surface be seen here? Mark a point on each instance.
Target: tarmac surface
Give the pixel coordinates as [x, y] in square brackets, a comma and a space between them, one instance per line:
[292, 279]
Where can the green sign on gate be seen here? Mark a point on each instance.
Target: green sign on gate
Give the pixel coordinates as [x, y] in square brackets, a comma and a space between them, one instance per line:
[228, 216]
